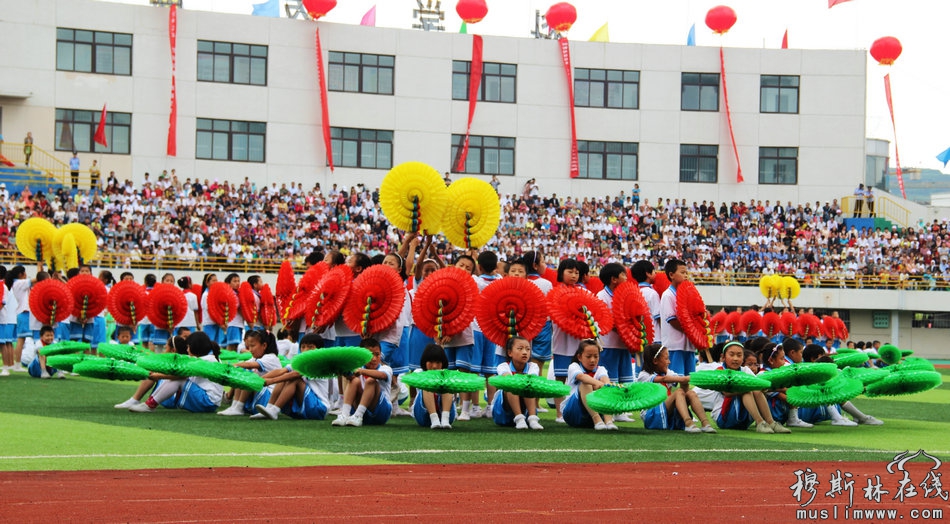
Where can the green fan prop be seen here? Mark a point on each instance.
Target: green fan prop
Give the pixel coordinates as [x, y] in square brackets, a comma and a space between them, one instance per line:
[906, 352]
[225, 374]
[613, 400]
[330, 362]
[915, 364]
[890, 353]
[728, 380]
[845, 360]
[121, 351]
[835, 391]
[66, 362]
[531, 386]
[841, 351]
[284, 361]
[865, 375]
[232, 356]
[167, 363]
[802, 374]
[444, 381]
[905, 383]
[110, 369]
[64, 348]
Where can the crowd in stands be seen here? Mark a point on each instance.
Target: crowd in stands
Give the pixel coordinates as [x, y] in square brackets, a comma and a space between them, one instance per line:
[192, 219]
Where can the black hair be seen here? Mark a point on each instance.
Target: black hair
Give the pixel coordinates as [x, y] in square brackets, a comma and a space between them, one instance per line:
[581, 346]
[402, 264]
[200, 344]
[487, 261]
[13, 274]
[314, 258]
[466, 257]
[611, 271]
[671, 266]
[790, 344]
[71, 272]
[369, 342]
[812, 352]
[168, 275]
[150, 280]
[728, 345]
[106, 277]
[859, 345]
[530, 261]
[715, 353]
[253, 279]
[232, 276]
[749, 353]
[377, 259]
[362, 260]
[204, 281]
[121, 329]
[567, 263]
[184, 282]
[45, 328]
[336, 258]
[755, 344]
[640, 269]
[312, 339]
[179, 345]
[124, 274]
[433, 353]
[511, 343]
[583, 268]
[649, 355]
[264, 337]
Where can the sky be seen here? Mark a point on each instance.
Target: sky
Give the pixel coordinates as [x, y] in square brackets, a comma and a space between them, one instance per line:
[916, 77]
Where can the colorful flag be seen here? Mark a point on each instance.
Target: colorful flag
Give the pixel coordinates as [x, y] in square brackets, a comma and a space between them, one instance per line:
[601, 35]
[691, 37]
[369, 18]
[832, 3]
[100, 137]
[785, 40]
[269, 8]
[944, 157]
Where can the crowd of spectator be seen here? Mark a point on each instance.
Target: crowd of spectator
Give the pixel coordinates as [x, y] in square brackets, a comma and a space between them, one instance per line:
[193, 219]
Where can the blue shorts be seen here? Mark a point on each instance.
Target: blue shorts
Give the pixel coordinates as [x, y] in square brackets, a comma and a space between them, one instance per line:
[350, 341]
[98, 331]
[61, 331]
[404, 347]
[7, 333]
[575, 414]
[145, 332]
[488, 364]
[501, 412]
[561, 363]
[417, 343]
[380, 414]
[262, 397]
[422, 416]
[194, 399]
[81, 332]
[682, 362]
[23, 325]
[460, 357]
[394, 357]
[170, 402]
[541, 345]
[35, 369]
[733, 414]
[215, 333]
[778, 408]
[159, 337]
[618, 363]
[311, 408]
[816, 415]
[658, 417]
[234, 336]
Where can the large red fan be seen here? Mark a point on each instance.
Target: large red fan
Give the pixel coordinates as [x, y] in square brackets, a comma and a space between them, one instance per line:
[661, 283]
[167, 306]
[632, 316]
[328, 297]
[751, 322]
[444, 304]
[511, 307]
[297, 305]
[222, 303]
[376, 299]
[51, 301]
[286, 286]
[733, 323]
[693, 316]
[128, 302]
[807, 325]
[89, 296]
[594, 285]
[772, 324]
[717, 323]
[247, 302]
[550, 274]
[579, 312]
[843, 329]
[833, 328]
[788, 328]
[268, 307]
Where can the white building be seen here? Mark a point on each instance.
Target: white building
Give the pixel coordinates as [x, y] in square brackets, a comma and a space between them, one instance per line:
[798, 115]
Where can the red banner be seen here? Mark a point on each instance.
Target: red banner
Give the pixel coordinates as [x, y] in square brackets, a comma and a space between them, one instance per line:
[897, 155]
[171, 148]
[100, 137]
[324, 106]
[732, 135]
[474, 82]
[566, 58]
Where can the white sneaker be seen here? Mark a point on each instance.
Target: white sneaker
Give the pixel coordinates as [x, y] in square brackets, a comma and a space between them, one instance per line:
[600, 426]
[127, 404]
[476, 412]
[270, 411]
[535, 423]
[258, 416]
[870, 421]
[19, 369]
[542, 409]
[44, 374]
[340, 420]
[763, 427]
[777, 427]
[559, 420]
[141, 407]
[611, 426]
[4, 372]
[707, 429]
[355, 421]
[398, 411]
[232, 411]
[843, 422]
[624, 417]
[59, 374]
[463, 416]
[520, 422]
[692, 429]
[798, 423]
[334, 411]
[445, 425]
[488, 411]
[437, 425]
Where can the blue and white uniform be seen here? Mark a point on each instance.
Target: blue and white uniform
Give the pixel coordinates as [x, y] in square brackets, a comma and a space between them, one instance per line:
[395, 352]
[573, 410]
[8, 318]
[502, 413]
[682, 353]
[728, 412]
[615, 356]
[265, 364]
[659, 417]
[315, 400]
[21, 291]
[419, 409]
[379, 414]
[541, 345]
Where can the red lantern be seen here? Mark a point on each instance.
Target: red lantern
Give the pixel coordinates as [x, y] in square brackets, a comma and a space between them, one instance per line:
[561, 16]
[318, 8]
[720, 19]
[886, 50]
[472, 11]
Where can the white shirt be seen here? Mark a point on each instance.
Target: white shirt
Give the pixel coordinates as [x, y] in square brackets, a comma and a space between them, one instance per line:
[21, 290]
[673, 339]
[612, 338]
[575, 370]
[505, 369]
[214, 390]
[653, 301]
[191, 317]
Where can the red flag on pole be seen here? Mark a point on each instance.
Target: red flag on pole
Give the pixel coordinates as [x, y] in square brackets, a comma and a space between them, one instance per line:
[171, 147]
[897, 155]
[100, 137]
[785, 40]
[324, 105]
[475, 80]
[832, 3]
[566, 58]
[725, 97]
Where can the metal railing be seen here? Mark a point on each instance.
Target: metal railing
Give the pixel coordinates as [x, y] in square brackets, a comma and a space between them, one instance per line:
[884, 207]
[54, 170]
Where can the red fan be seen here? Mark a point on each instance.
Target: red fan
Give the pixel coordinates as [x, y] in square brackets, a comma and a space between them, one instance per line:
[660, 283]
[128, 303]
[693, 316]
[286, 284]
[632, 316]
[788, 328]
[167, 306]
[327, 299]
[2, 288]
[222, 303]
[579, 312]
[843, 329]
[717, 323]
[733, 323]
[376, 299]
[509, 307]
[89, 296]
[772, 324]
[550, 274]
[807, 325]
[595, 285]
[196, 291]
[268, 307]
[297, 305]
[247, 302]
[444, 304]
[751, 322]
[51, 301]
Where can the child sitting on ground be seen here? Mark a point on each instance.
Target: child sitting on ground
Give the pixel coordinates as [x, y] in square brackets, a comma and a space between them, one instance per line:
[295, 395]
[368, 391]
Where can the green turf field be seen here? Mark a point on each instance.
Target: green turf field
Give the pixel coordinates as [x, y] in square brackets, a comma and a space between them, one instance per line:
[70, 424]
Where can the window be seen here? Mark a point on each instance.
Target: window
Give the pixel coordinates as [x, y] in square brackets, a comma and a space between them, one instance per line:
[606, 88]
[230, 140]
[700, 92]
[365, 148]
[76, 128]
[487, 155]
[499, 81]
[93, 52]
[232, 63]
[778, 165]
[779, 94]
[931, 320]
[699, 163]
[607, 160]
[361, 73]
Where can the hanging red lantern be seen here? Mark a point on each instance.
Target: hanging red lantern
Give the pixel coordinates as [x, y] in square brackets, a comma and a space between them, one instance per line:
[721, 19]
[318, 8]
[561, 16]
[471, 11]
[886, 50]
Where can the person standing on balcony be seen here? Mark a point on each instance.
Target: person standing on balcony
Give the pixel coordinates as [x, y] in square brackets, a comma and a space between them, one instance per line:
[94, 174]
[869, 196]
[74, 170]
[858, 200]
[28, 147]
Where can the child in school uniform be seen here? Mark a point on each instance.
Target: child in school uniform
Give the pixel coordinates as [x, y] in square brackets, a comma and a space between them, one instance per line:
[509, 409]
[8, 323]
[173, 345]
[682, 353]
[194, 394]
[585, 375]
[644, 272]
[460, 352]
[616, 356]
[235, 330]
[263, 348]
[816, 353]
[563, 345]
[433, 409]
[656, 368]
[19, 285]
[297, 396]
[38, 367]
[368, 391]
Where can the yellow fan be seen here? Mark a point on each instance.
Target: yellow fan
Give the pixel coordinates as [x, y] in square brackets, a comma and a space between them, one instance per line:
[34, 238]
[790, 288]
[69, 253]
[413, 197]
[83, 239]
[769, 285]
[473, 212]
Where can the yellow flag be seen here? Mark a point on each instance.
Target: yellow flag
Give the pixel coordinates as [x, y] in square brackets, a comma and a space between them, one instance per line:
[601, 35]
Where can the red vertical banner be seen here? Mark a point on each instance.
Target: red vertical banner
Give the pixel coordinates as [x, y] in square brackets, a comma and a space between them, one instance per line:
[100, 137]
[171, 148]
[324, 106]
[566, 58]
[474, 82]
[725, 97]
[897, 155]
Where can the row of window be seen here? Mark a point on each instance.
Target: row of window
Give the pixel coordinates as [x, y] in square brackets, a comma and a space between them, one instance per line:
[233, 63]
